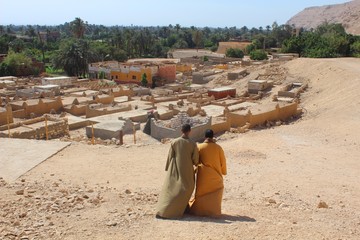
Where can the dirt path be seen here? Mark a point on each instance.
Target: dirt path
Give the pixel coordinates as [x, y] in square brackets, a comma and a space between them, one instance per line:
[276, 177]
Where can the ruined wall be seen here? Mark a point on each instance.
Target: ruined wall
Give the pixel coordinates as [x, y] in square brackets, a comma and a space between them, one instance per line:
[43, 106]
[159, 131]
[237, 120]
[76, 110]
[121, 92]
[36, 128]
[262, 117]
[104, 99]
[167, 72]
[19, 113]
[5, 114]
[222, 66]
[281, 111]
[183, 68]
[221, 127]
[166, 115]
[288, 110]
[93, 112]
[201, 100]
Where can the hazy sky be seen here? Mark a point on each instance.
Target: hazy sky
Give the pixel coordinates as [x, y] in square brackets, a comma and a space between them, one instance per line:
[199, 13]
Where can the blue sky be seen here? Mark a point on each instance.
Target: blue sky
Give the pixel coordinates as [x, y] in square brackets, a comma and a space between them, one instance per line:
[199, 13]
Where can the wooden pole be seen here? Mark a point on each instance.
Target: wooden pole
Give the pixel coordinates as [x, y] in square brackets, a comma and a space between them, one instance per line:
[121, 137]
[134, 131]
[8, 123]
[46, 128]
[92, 133]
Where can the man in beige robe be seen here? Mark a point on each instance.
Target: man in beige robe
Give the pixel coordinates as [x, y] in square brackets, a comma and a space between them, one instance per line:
[180, 178]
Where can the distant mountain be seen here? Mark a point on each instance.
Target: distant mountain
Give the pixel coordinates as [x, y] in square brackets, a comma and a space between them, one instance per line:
[347, 13]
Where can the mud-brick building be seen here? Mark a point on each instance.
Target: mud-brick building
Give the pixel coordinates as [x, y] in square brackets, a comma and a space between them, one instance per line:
[132, 72]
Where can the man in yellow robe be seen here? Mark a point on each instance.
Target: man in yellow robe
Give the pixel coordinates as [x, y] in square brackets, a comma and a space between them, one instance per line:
[180, 179]
[209, 181]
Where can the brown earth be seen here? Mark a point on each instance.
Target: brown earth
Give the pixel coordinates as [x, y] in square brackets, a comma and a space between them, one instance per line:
[296, 181]
[347, 13]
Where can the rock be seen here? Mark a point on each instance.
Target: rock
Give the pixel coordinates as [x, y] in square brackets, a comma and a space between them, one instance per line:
[322, 204]
[111, 224]
[272, 201]
[79, 206]
[283, 205]
[20, 192]
[16, 223]
[127, 191]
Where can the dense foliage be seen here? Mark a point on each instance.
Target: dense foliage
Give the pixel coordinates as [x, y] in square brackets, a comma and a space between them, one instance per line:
[78, 43]
[258, 55]
[15, 62]
[234, 53]
[328, 40]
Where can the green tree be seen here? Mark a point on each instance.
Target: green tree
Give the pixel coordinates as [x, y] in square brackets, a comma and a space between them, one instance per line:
[17, 45]
[258, 55]
[144, 81]
[177, 27]
[78, 27]
[234, 53]
[198, 38]
[355, 49]
[15, 62]
[5, 41]
[74, 56]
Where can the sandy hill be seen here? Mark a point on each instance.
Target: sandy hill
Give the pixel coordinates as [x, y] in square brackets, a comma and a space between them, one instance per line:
[347, 13]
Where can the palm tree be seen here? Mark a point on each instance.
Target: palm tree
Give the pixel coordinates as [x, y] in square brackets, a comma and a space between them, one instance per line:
[198, 38]
[268, 29]
[177, 27]
[78, 27]
[74, 57]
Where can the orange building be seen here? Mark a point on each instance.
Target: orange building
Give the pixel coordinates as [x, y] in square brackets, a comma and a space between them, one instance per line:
[133, 72]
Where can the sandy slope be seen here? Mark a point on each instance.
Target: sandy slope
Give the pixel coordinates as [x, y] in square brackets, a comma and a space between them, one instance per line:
[276, 177]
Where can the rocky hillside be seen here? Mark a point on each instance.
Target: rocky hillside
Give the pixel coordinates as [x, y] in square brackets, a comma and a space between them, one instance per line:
[347, 13]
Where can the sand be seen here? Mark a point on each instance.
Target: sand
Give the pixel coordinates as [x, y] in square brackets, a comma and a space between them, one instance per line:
[296, 181]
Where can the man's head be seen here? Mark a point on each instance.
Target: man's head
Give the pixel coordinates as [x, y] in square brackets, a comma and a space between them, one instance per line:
[186, 129]
[209, 133]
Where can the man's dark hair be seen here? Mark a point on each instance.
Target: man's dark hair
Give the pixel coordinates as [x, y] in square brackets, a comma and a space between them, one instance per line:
[185, 128]
[209, 133]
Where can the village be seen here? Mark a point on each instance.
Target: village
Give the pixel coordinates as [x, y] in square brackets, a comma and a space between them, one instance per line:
[224, 94]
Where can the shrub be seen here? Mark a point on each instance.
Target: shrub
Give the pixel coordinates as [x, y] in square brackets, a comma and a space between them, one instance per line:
[234, 53]
[355, 49]
[144, 81]
[258, 55]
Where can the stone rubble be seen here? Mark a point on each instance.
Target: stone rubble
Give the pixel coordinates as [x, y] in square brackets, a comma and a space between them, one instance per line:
[35, 210]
